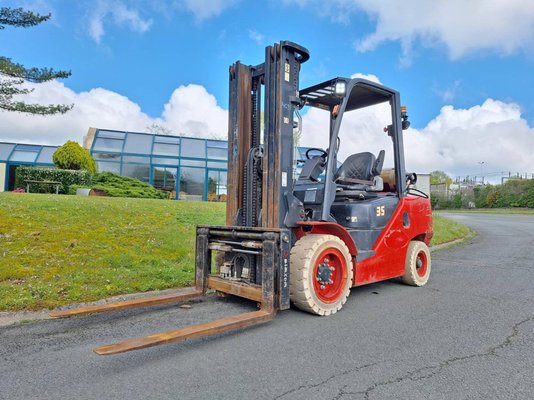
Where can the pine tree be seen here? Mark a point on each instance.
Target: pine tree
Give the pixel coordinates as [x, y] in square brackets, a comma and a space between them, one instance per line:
[13, 75]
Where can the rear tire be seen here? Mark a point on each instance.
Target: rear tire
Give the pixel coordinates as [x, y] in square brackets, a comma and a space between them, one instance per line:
[321, 274]
[417, 266]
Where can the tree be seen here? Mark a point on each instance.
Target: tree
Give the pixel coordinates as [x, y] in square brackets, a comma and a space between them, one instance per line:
[440, 177]
[73, 156]
[158, 129]
[13, 75]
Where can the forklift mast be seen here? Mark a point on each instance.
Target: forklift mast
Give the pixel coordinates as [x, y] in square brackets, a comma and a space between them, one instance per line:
[260, 137]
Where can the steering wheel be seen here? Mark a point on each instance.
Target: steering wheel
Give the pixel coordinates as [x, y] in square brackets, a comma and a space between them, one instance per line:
[323, 154]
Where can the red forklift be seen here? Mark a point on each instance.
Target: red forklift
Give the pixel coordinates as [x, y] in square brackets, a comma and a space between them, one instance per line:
[306, 239]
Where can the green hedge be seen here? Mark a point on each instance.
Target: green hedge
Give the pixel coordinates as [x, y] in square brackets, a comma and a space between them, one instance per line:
[123, 186]
[513, 193]
[65, 176]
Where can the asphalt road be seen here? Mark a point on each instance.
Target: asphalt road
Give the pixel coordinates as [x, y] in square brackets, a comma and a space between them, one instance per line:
[468, 334]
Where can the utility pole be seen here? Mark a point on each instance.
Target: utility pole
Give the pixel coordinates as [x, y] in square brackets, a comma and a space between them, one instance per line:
[481, 172]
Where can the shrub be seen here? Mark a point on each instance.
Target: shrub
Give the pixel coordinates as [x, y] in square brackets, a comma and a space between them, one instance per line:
[122, 186]
[440, 201]
[66, 177]
[73, 156]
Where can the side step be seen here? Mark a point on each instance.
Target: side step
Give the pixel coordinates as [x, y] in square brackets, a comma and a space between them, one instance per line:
[210, 328]
[183, 295]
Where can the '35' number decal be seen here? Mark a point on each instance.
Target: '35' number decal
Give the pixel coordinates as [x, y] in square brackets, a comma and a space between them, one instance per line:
[380, 211]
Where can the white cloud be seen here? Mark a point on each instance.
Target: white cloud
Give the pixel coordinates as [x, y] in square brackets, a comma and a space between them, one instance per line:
[369, 77]
[462, 27]
[449, 93]
[106, 12]
[205, 9]
[191, 110]
[456, 141]
[256, 36]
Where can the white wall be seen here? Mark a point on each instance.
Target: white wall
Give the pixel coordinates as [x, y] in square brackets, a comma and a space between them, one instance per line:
[2, 176]
[423, 183]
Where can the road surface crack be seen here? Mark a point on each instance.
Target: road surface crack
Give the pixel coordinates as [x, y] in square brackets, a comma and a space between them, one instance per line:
[325, 381]
[420, 374]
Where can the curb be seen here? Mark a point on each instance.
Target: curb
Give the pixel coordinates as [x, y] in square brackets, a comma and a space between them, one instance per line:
[8, 318]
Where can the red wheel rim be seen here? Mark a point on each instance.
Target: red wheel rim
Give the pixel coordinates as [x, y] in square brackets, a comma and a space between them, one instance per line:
[421, 264]
[330, 292]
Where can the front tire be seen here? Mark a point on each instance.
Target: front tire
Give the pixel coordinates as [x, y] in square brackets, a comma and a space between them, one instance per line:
[321, 274]
[417, 266]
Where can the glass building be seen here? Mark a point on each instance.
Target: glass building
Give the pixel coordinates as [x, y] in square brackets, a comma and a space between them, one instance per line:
[189, 168]
[12, 155]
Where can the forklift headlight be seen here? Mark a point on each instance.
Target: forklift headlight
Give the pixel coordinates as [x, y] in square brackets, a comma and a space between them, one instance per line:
[340, 88]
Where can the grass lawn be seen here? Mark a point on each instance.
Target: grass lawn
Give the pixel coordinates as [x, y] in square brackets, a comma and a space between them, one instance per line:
[60, 249]
[56, 250]
[447, 230]
[519, 211]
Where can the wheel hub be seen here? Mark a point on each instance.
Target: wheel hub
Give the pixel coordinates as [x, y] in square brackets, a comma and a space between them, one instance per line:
[419, 262]
[324, 273]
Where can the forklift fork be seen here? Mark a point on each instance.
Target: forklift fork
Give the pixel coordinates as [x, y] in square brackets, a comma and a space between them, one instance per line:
[271, 247]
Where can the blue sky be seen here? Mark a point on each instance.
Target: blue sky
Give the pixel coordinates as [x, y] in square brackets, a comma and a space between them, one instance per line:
[149, 61]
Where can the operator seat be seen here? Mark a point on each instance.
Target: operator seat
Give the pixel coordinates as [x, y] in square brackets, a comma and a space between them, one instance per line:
[361, 171]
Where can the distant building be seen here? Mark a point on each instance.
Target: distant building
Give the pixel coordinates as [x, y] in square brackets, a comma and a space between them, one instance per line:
[189, 168]
[13, 155]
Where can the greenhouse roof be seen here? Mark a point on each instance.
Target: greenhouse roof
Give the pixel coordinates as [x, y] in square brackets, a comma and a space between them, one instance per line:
[26, 153]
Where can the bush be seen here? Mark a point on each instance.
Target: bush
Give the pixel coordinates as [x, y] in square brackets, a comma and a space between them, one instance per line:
[440, 201]
[66, 177]
[122, 186]
[513, 193]
[73, 156]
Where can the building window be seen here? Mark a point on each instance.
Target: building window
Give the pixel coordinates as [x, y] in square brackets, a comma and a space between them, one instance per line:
[137, 171]
[217, 153]
[164, 178]
[45, 156]
[103, 166]
[218, 164]
[138, 143]
[217, 185]
[107, 157]
[164, 161]
[23, 156]
[135, 159]
[110, 134]
[104, 144]
[193, 163]
[5, 150]
[192, 183]
[164, 149]
[193, 148]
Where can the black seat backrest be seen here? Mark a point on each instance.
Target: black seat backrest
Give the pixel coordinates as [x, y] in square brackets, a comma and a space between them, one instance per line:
[379, 163]
[362, 166]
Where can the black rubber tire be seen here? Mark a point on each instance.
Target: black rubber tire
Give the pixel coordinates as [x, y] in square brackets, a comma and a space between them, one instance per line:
[418, 264]
[304, 257]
